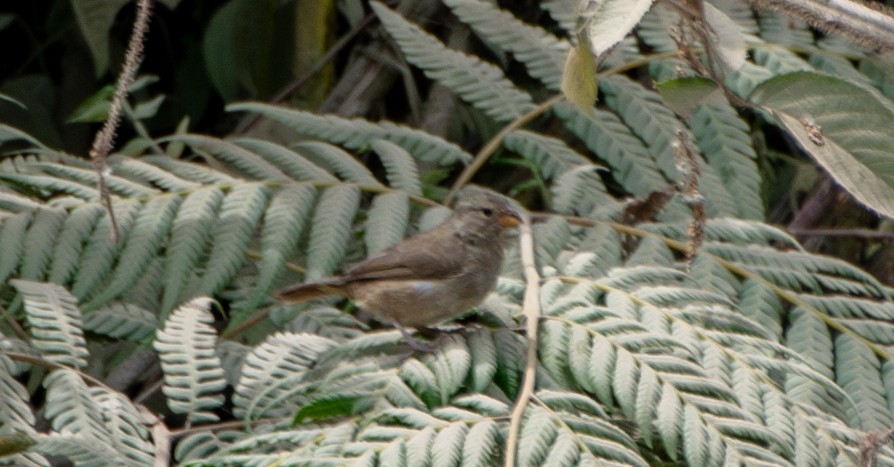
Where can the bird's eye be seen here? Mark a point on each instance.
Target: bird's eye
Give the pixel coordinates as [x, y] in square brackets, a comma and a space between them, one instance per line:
[488, 212]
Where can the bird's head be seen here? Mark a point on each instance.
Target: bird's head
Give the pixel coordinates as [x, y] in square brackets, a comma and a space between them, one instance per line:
[485, 213]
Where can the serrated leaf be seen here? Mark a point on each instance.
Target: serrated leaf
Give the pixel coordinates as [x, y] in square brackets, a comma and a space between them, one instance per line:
[193, 373]
[332, 223]
[387, 220]
[55, 320]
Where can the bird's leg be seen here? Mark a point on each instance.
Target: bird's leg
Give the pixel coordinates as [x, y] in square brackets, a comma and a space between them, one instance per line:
[415, 344]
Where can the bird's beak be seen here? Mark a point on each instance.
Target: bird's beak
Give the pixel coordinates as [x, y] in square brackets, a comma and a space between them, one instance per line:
[509, 218]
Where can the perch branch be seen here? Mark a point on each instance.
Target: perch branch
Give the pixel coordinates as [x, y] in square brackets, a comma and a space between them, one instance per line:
[531, 310]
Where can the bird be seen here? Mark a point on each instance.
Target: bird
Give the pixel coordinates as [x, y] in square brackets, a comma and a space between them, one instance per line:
[430, 277]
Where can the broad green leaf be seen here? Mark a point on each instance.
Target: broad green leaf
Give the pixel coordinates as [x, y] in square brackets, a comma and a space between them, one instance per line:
[607, 22]
[95, 19]
[684, 94]
[579, 79]
[842, 126]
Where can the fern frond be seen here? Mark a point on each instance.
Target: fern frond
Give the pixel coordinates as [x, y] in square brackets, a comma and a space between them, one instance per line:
[148, 174]
[239, 215]
[188, 243]
[126, 427]
[386, 222]
[81, 450]
[325, 322]
[14, 409]
[193, 374]
[357, 133]
[542, 53]
[332, 222]
[284, 222]
[41, 236]
[337, 160]
[149, 231]
[122, 321]
[281, 357]
[399, 166]
[551, 155]
[190, 171]
[99, 254]
[55, 320]
[285, 159]
[857, 371]
[724, 140]
[12, 237]
[70, 243]
[48, 185]
[244, 162]
[88, 177]
[613, 142]
[648, 117]
[581, 191]
[479, 83]
[72, 409]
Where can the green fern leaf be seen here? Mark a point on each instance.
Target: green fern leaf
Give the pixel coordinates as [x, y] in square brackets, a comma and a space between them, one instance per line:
[287, 160]
[613, 142]
[450, 363]
[724, 140]
[483, 351]
[14, 409]
[188, 243]
[239, 215]
[284, 222]
[121, 321]
[279, 359]
[55, 320]
[141, 245]
[193, 375]
[331, 229]
[551, 155]
[81, 450]
[357, 133]
[88, 177]
[399, 166]
[126, 426]
[72, 410]
[651, 120]
[53, 185]
[148, 174]
[541, 53]
[386, 222]
[477, 82]
[580, 191]
[12, 237]
[422, 380]
[42, 234]
[74, 233]
[244, 161]
[857, 371]
[190, 171]
[337, 160]
[100, 253]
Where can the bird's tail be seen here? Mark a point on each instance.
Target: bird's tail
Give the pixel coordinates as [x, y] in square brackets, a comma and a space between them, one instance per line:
[312, 290]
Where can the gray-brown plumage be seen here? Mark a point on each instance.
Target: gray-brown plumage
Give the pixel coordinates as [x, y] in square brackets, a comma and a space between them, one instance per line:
[432, 276]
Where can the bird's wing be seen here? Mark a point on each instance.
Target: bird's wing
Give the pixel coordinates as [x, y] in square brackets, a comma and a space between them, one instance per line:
[421, 257]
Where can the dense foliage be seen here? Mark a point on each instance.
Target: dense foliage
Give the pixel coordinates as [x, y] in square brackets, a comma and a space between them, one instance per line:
[679, 324]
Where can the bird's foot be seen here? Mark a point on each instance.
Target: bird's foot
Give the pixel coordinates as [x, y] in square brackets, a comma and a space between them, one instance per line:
[416, 344]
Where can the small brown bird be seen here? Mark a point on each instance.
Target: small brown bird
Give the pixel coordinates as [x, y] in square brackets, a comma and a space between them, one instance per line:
[430, 277]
